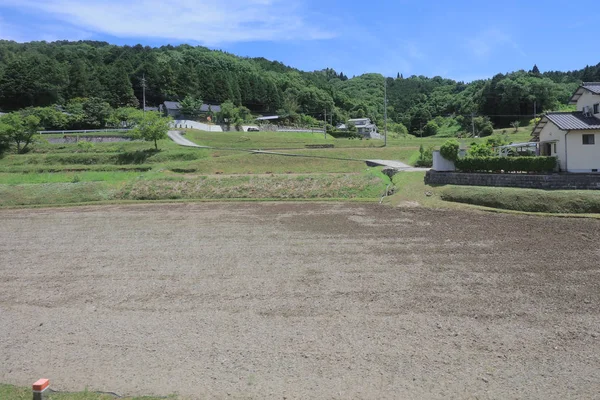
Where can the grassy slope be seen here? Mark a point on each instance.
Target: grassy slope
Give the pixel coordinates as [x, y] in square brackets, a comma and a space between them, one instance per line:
[529, 200]
[412, 191]
[369, 185]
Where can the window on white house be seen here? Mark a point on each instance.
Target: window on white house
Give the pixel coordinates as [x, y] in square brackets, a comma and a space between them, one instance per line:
[596, 108]
[589, 139]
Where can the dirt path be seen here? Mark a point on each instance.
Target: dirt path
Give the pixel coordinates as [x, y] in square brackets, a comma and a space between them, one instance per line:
[281, 300]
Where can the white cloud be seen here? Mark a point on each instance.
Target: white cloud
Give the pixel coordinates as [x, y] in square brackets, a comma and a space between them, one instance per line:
[484, 43]
[209, 22]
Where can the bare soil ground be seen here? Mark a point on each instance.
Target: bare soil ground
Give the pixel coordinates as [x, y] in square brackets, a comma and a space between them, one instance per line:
[281, 300]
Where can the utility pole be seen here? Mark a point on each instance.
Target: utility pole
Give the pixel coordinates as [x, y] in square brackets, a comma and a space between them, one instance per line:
[473, 122]
[385, 111]
[144, 92]
[325, 125]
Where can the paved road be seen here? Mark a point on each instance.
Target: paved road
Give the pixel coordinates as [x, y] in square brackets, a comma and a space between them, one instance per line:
[196, 125]
[394, 164]
[180, 140]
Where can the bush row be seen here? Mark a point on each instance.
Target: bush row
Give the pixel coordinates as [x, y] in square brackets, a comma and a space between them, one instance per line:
[506, 164]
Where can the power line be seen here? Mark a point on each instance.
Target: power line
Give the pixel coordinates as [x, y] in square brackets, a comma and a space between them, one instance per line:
[144, 92]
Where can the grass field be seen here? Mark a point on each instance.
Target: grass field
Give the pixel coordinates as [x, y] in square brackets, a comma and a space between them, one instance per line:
[73, 173]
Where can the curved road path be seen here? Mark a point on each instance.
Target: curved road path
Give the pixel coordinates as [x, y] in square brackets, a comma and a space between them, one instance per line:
[180, 140]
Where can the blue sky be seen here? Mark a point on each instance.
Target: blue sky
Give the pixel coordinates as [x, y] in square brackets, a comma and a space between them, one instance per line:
[462, 40]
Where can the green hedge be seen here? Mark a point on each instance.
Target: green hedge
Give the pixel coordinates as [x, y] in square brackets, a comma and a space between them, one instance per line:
[506, 164]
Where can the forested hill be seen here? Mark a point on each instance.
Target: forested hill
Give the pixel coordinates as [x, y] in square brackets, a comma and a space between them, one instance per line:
[42, 74]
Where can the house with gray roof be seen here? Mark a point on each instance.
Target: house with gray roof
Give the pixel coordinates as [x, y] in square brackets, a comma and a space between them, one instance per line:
[364, 127]
[573, 137]
[173, 109]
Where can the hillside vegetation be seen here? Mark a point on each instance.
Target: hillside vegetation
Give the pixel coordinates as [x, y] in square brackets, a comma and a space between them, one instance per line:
[39, 74]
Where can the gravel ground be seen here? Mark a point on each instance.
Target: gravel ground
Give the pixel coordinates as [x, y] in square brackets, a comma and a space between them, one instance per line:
[282, 300]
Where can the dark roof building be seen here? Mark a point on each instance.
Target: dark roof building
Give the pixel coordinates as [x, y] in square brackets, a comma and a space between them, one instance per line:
[567, 121]
[591, 87]
[173, 108]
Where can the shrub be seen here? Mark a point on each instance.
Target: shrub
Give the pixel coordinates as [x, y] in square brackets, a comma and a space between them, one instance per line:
[506, 164]
[425, 157]
[480, 150]
[398, 130]
[486, 130]
[344, 134]
[449, 150]
[431, 129]
[84, 146]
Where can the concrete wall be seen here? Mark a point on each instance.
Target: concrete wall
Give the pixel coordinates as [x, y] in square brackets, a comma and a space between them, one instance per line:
[441, 164]
[533, 181]
[582, 157]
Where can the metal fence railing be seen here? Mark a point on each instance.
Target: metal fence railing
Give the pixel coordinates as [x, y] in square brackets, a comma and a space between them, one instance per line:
[66, 132]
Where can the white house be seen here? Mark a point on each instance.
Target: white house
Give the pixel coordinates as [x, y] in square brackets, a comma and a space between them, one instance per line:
[573, 137]
[364, 127]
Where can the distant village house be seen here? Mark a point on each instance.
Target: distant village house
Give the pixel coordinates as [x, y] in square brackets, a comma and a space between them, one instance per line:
[173, 109]
[364, 127]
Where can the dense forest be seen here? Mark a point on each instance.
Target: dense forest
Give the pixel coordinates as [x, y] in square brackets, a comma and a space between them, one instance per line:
[40, 74]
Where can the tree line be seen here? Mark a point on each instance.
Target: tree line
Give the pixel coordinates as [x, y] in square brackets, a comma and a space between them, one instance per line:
[75, 75]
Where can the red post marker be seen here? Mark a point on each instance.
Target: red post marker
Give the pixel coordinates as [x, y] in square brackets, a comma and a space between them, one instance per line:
[39, 389]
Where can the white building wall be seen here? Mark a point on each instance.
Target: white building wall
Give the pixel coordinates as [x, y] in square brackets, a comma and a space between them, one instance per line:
[588, 99]
[551, 133]
[583, 157]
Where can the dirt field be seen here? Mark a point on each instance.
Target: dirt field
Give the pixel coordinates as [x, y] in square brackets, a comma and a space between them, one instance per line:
[300, 301]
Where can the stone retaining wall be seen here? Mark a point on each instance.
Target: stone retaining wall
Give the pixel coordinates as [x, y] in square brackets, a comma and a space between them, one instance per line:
[532, 181]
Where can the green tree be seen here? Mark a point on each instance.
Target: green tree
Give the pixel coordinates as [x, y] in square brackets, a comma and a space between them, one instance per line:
[4, 138]
[20, 129]
[96, 112]
[152, 128]
[125, 117]
[483, 126]
[51, 118]
[229, 114]
[191, 106]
